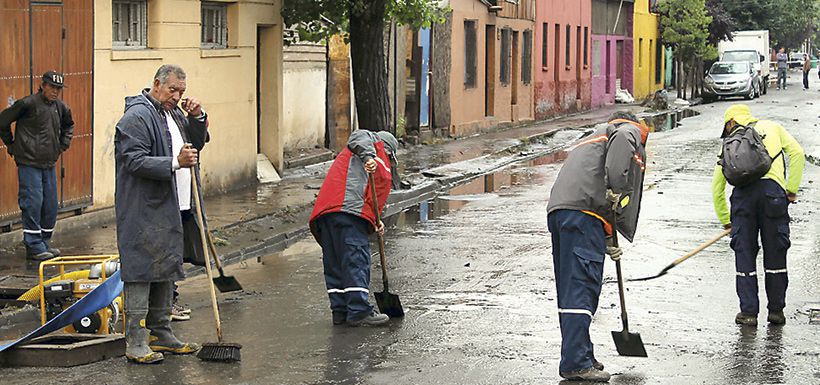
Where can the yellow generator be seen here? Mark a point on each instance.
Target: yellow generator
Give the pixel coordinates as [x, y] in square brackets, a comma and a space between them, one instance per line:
[65, 289]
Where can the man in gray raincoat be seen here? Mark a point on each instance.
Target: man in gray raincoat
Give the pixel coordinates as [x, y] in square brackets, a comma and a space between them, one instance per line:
[156, 152]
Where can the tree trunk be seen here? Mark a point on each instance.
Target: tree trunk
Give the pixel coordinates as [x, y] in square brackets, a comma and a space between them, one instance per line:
[685, 76]
[369, 66]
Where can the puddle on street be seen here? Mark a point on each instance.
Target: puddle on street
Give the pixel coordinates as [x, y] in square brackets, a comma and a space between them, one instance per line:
[671, 120]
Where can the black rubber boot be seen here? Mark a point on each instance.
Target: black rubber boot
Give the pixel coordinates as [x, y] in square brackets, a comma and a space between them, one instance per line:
[746, 319]
[777, 317]
[589, 374]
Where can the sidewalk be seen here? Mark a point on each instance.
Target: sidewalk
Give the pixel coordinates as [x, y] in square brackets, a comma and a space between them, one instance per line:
[252, 222]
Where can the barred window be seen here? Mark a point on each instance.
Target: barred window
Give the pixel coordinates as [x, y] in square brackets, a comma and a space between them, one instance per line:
[470, 44]
[506, 54]
[214, 25]
[129, 22]
[526, 58]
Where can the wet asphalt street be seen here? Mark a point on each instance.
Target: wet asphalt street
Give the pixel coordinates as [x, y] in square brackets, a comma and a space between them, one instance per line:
[473, 270]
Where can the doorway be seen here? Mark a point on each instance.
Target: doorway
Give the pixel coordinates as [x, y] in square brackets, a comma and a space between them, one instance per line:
[619, 64]
[45, 36]
[489, 71]
[515, 71]
[578, 63]
[268, 146]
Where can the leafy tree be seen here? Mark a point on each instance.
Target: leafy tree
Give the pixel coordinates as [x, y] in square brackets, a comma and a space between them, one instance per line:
[362, 22]
[722, 24]
[789, 22]
[752, 14]
[685, 27]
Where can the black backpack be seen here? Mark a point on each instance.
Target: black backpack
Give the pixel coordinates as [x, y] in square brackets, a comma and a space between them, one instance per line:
[744, 157]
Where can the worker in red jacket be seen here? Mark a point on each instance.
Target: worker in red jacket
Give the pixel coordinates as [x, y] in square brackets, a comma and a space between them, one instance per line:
[343, 218]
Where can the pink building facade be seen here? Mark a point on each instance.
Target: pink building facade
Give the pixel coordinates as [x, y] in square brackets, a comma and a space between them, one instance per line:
[562, 62]
[612, 49]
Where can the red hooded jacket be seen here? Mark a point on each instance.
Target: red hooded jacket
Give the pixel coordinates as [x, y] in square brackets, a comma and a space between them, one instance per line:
[346, 187]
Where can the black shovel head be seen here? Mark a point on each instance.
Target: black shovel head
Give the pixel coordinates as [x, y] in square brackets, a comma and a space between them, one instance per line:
[227, 284]
[629, 344]
[389, 304]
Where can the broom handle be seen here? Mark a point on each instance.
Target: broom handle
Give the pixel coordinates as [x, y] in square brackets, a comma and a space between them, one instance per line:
[381, 238]
[203, 239]
[701, 247]
[214, 253]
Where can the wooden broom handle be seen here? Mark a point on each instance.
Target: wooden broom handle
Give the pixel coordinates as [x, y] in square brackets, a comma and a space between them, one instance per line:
[203, 239]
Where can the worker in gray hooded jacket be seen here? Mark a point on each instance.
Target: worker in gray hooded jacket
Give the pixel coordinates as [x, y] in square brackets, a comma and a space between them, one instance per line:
[602, 179]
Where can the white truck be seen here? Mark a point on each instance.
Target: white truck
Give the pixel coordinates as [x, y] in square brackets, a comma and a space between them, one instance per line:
[750, 46]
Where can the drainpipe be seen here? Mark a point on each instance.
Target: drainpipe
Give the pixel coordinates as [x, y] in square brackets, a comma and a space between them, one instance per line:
[618, 17]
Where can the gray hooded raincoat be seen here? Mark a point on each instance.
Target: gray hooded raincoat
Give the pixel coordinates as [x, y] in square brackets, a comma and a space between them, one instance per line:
[149, 226]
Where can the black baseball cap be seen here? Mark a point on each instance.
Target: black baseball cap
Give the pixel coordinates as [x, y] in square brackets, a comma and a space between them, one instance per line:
[53, 78]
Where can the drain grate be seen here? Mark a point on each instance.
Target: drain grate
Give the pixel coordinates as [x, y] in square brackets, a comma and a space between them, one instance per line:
[65, 350]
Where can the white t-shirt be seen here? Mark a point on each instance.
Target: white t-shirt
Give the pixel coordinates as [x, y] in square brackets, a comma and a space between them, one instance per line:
[183, 175]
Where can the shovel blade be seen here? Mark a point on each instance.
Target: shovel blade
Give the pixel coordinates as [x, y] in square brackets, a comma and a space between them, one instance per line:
[629, 344]
[227, 284]
[389, 304]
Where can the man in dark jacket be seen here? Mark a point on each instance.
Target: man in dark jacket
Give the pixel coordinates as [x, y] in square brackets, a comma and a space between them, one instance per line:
[343, 217]
[156, 152]
[43, 132]
[602, 179]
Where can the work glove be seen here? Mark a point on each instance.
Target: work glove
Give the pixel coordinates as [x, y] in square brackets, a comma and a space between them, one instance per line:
[613, 251]
[613, 199]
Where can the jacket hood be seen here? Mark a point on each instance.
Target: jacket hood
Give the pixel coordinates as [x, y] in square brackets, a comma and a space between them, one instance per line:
[740, 113]
[390, 141]
[136, 100]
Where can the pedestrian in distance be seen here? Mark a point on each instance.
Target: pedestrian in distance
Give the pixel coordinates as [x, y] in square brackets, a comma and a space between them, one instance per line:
[754, 160]
[782, 67]
[343, 217]
[601, 179]
[818, 72]
[156, 146]
[43, 131]
[806, 69]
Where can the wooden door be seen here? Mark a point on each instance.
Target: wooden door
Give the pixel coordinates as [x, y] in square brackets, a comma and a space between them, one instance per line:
[15, 83]
[489, 70]
[42, 36]
[516, 76]
[78, 56]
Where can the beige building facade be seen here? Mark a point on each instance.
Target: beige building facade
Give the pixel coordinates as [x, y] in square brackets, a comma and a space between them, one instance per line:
[233, 55]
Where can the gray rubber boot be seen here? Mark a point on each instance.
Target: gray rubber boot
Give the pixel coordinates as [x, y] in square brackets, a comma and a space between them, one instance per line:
[136, 335]
[162, 337]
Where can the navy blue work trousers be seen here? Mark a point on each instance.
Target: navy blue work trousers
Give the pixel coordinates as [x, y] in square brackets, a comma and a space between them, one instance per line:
[346, 258]
[578, 248]
[37, 197]
[760, 208]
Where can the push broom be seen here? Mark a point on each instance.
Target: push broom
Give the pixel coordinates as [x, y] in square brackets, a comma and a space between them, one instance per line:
[212, 351]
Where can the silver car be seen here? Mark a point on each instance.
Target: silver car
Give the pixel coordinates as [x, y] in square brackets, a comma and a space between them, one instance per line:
[731, 79]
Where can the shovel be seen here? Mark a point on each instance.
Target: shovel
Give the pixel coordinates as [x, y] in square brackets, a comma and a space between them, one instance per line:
[685, 257]
[225, 283]
[388, 303]
[628, 344]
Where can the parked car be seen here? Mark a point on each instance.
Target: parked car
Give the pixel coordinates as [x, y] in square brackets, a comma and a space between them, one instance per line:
[796, 59]
[732, 79]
